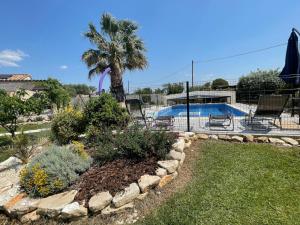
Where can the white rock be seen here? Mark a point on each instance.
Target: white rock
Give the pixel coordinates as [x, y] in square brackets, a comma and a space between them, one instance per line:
[187, 145]
[174, 155]
[126, 196]
[147, 181]
[189, 134]
[224, 137]
[179, 145]
[52, 205]
[286, 145]
[170, 165]
[237, 138]
[290, 141]
[9, 163]
[7, 194]
[21, 207]
[202, 136]
[73, 210]
[161, 172]
[109, 210]
[182, 159]
[213, 137]
[276, 141]
[262, 139]
[248, 138]
[100, 201]
[30, 217]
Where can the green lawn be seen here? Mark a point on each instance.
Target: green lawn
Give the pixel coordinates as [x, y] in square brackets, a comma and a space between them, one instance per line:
[237, 184]
[28, 127]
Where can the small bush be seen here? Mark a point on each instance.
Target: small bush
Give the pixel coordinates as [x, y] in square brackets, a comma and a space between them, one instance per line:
[78, 148]
[133, 143]
[67, 126]
[52, 171]
[105, 112]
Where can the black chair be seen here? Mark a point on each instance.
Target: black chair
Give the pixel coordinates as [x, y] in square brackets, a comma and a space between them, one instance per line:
[223, 121]
[269, 107]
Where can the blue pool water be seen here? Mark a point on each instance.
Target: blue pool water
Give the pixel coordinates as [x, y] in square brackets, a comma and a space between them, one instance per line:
[198, 110]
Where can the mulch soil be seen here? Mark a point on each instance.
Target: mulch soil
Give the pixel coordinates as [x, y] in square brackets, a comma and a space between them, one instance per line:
[113, 177]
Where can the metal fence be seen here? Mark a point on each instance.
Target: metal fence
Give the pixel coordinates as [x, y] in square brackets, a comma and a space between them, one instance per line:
[227, 109]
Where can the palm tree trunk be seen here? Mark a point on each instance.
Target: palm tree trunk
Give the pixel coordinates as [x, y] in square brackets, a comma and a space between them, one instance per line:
[117, 88]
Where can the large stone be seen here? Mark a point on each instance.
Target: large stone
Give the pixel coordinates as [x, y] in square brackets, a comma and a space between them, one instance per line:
[147, 181]
[237, 138]
[276, 141]
[248, 138]
[170, 165]
[224, 137]
[202, 136]
[213, 137]
[179, 145]
[100, 201]
[262, 139]
[182, 159]
[174, 155]
[52, 205]
[290, 141]
[20, 206]
[188, 145]
[161, 172]
[110, 210]
[167, 179]
[73, 210]
[189, 134]
[7, 194]
[126, 196]
[9, 163]
[30, 217]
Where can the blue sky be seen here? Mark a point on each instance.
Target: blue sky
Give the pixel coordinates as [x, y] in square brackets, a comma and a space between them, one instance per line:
[44, 38]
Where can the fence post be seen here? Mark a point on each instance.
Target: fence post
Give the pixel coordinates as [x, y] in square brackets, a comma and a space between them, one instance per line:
[188, 106]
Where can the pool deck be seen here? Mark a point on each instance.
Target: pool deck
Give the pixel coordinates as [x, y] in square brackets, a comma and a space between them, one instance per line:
[290, 126]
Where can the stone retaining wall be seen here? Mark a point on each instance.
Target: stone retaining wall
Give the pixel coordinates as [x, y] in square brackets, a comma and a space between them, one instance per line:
[63, 207]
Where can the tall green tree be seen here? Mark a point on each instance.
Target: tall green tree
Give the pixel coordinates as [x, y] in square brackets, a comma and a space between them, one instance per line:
[174, 88]
[117, 47]
[218, 83]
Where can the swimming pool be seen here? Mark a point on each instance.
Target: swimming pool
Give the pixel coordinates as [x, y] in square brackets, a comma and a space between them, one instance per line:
[203, 110]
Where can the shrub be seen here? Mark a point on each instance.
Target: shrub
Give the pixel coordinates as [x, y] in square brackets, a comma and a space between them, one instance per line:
[78, 148]
[67, 126]
[133, 143]
[52, 171]
[105, 112]
[5, 140]
[219, 83]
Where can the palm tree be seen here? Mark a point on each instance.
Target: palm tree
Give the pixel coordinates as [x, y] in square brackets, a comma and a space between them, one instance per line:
[117, 47]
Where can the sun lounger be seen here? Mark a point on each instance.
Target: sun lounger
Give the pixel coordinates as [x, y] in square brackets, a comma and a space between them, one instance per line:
[223, 121]
[269, 107]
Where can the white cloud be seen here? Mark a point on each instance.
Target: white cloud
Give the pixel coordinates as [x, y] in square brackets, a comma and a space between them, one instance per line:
[10, 58]
[63, 67]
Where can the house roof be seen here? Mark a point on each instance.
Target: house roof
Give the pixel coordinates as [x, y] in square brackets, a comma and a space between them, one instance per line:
[15, 77]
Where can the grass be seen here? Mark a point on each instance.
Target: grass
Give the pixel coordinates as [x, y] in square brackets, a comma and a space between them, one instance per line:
[237, 184]
[26, 127]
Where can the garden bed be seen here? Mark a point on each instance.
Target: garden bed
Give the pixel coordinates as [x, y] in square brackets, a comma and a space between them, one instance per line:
[113, 177]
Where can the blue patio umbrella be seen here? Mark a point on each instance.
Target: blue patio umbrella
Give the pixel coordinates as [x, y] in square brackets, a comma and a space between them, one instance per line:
[291, 71]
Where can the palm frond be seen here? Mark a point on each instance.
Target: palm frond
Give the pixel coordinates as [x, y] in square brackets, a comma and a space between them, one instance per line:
[109, 25]
[96, 38]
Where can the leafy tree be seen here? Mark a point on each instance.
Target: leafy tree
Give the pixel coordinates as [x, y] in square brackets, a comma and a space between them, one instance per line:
[79, 89]
[159, 91]
[56, 93]
[13, 107]
[218, 83]
[105, 112]
[117, 47]
[145, 94]
[174, 88]
[259, 82]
